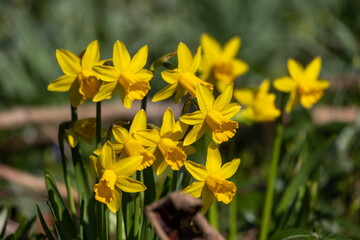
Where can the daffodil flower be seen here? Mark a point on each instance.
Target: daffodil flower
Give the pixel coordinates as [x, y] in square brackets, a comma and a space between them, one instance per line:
[221, 62]
[211, 180]
[84, 129]
[182, 80]
[214, 115]
[78, 77]
[129, 145]
[260, 104]
[303, 84]
[127, 76]
[168, 150]
[114, 176]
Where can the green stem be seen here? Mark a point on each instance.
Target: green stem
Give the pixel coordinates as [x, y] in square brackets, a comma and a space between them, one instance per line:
[61, 137]
[271, 183]
[119, 225]
[174, 181]
[214, 216]
[98, 124]
[137, 210]
[233, 219]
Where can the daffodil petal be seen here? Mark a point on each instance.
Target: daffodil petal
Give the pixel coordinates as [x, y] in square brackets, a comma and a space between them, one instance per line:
[284, 84]
[180, 93]
[139, 122]
[193, 118]
[293, 101]
[198, 171]
[168, 123]
[264, 88]
[148, 137]
[205, 98]
[91, 55]
[230, 110]
[69, 62]
[114, 205]
[144, 74]
[184, 57]
[75, 97]
[160, 165]
[239, 67]
[229, 169]
[171, 76]
[211, 47]
[213, 159]
[196, 61]
[164, 93]
[126, 101]
[196, 133]
[224, 98]
[121, 56]
[244, 96]
[207, 199]
[179, 130]
[107, 157]
[96, 166]
[295, 69]
[312, 70]
[106, 91]
[231, 48]
[106, 73]
[139, 60]
[120, 134]
[62, 84]
[195, 189]
[127, 184]
[127, 166]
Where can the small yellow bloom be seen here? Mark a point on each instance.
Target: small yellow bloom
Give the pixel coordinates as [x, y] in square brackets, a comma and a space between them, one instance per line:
[168, 150]
[78, 77]
[127, 143]
[260, 104]
[303, 84]
[211, 180]
[182, 80]
[214, 115]
[220, 62]
[114, 176]
[84, 129]
[127, 76]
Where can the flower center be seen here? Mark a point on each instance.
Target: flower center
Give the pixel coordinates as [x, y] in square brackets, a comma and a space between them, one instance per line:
[189, 82]
[223, 128]
[224, 72]
[134, 87]
[104, 190]
[223, 190]
[173, 155]
[88, 84]
[133, 148]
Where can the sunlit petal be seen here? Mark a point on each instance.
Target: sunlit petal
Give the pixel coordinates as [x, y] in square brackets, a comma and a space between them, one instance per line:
[208, 199]
[171, 76]
[168, 123]
[195, 189]
[121, 56]
[139, 122]
[148, 137]
[127, 166]
[231, 48]
[284, 84]
[62, 84]
[106, 73]
[107, 157]
[213, 159]
[165, 93]
[196, 61]
[196, 133]
[69, 62]
[295, 69]
[224, 98]
[120, 134]
[198, 171]
[229, 169]
[91, 55]
[205, 98]
[184, 57]
[127, 184]
[114, 205]
[312, 70]
[139, 59]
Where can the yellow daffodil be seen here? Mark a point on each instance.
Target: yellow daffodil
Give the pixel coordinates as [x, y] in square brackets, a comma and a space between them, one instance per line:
[220, 62]
[78, 77]
[84, 129]
[260, 104]
[127, 76]
[182, 80]
[127, 142]
[214, 115]
[303, 84]
[168, 150]
[211, 180]
[114, 176]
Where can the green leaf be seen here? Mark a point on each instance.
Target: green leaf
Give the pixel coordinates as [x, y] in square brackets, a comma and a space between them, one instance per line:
[295, 234]
[4, 216]
[63, 221]
[22, 231]
[44, 225]
[301, 177]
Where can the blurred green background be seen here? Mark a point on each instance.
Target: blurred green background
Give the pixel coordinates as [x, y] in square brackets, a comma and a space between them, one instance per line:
[271, 32]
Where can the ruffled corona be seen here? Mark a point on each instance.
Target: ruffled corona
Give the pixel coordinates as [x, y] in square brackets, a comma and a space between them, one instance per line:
[133, 148]
[173, 155]
[104, 190]
[223, 190]
[135, 88]
[223, 128]
[88, 85]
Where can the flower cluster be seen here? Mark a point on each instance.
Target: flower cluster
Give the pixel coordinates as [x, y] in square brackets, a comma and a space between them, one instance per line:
[140, 145]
